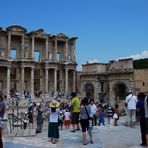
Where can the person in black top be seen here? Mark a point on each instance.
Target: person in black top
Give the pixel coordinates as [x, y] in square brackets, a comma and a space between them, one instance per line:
[140, 106]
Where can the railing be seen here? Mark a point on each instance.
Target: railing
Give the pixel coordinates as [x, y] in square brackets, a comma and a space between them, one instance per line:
[14, 119]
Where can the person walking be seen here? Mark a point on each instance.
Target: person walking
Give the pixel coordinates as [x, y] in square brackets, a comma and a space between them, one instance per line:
[39, 118]
[2, 112]
[131, 101]
[140, 106]
[101, 116]
[93, 108]
[116, 114]
[109, 113]
[75, 106]
[146, 118]
[53, 129]
[85, 118]
[67, 118]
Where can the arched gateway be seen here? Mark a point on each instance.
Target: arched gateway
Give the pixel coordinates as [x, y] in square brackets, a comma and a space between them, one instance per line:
[120, 92]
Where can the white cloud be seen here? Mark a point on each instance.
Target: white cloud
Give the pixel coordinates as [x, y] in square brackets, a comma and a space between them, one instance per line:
[142, 55]
[93, 61]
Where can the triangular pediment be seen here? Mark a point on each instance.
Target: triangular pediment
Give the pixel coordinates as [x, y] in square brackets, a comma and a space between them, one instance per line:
[16, 28]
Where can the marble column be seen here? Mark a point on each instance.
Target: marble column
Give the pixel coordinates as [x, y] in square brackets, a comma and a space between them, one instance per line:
[74, 81]
[32, 82]
[46, 54]
[41, 79]
[61, 80]
[66, 51]
[9, 44]
[55, 80]
[8, 82]
[22, 46]
[66, 81]
[32, 52]
[46, 80]
[55, 53]
[22, 82]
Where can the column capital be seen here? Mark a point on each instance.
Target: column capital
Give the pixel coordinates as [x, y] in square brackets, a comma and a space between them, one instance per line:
[32, 68]
[8, 67]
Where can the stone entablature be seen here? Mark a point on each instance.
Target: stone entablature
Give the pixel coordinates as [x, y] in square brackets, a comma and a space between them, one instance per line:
[19, 50]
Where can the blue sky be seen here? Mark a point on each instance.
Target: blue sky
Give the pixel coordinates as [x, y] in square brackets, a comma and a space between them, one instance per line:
[106, 29]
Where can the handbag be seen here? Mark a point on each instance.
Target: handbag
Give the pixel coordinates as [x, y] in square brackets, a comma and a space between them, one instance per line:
[115, 116]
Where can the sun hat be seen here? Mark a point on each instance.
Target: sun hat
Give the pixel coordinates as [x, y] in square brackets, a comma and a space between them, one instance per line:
[54, 104]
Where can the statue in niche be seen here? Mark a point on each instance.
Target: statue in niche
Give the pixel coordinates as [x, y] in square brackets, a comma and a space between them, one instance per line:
[26, 53]
[50, 56]
[69, 57]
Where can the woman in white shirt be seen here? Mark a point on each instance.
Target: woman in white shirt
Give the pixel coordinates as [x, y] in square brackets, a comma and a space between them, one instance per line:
[53, 130]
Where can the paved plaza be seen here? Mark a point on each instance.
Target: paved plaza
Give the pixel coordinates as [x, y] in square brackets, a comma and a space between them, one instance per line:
[106, 136]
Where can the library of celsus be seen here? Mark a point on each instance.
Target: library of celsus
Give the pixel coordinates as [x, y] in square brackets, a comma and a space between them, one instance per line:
[36, 61]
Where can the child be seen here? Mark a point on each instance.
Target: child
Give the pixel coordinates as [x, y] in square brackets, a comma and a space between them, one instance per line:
[101, 117]
[109, 113]
[53, 130]
[116, 114]
[25, 120]
[61, 118]
[67, 118]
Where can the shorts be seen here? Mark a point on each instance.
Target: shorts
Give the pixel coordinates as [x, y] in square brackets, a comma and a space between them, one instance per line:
[66, 122]
[84, 124]
[75, 118]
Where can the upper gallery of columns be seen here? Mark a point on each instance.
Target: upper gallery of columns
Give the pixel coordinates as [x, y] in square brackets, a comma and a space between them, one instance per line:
[27, 45]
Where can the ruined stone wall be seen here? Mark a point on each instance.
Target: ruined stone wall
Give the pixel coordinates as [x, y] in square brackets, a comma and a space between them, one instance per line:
[141, 80]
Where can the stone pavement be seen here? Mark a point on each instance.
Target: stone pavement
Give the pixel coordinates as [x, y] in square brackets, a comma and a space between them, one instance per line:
[106, 136]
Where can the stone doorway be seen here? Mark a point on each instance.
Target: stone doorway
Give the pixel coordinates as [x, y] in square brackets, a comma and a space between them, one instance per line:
[89, 89]
[120, 92]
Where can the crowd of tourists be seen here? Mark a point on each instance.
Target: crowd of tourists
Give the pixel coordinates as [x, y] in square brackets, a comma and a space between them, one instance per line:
[83, 114]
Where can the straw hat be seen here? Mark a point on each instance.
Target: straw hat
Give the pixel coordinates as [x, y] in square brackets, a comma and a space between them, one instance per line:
[54, 104]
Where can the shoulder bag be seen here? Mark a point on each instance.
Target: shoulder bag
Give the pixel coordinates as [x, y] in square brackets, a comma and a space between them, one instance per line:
[89, 118]
[126, 104]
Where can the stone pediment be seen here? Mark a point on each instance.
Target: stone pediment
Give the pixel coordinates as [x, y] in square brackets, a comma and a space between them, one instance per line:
[38, 33]
[16, 28]
[60, 35]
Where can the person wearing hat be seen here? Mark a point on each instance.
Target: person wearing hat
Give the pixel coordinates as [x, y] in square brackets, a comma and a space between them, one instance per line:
[53, 129]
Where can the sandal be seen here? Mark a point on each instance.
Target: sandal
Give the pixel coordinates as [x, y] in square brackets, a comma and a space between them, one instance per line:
[53, 142]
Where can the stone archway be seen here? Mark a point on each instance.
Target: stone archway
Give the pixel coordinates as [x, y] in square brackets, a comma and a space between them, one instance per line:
[89, 90]
[120, 92]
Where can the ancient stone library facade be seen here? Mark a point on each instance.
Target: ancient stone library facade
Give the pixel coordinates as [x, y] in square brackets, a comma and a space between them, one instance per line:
[108, 82]
[36, 61]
